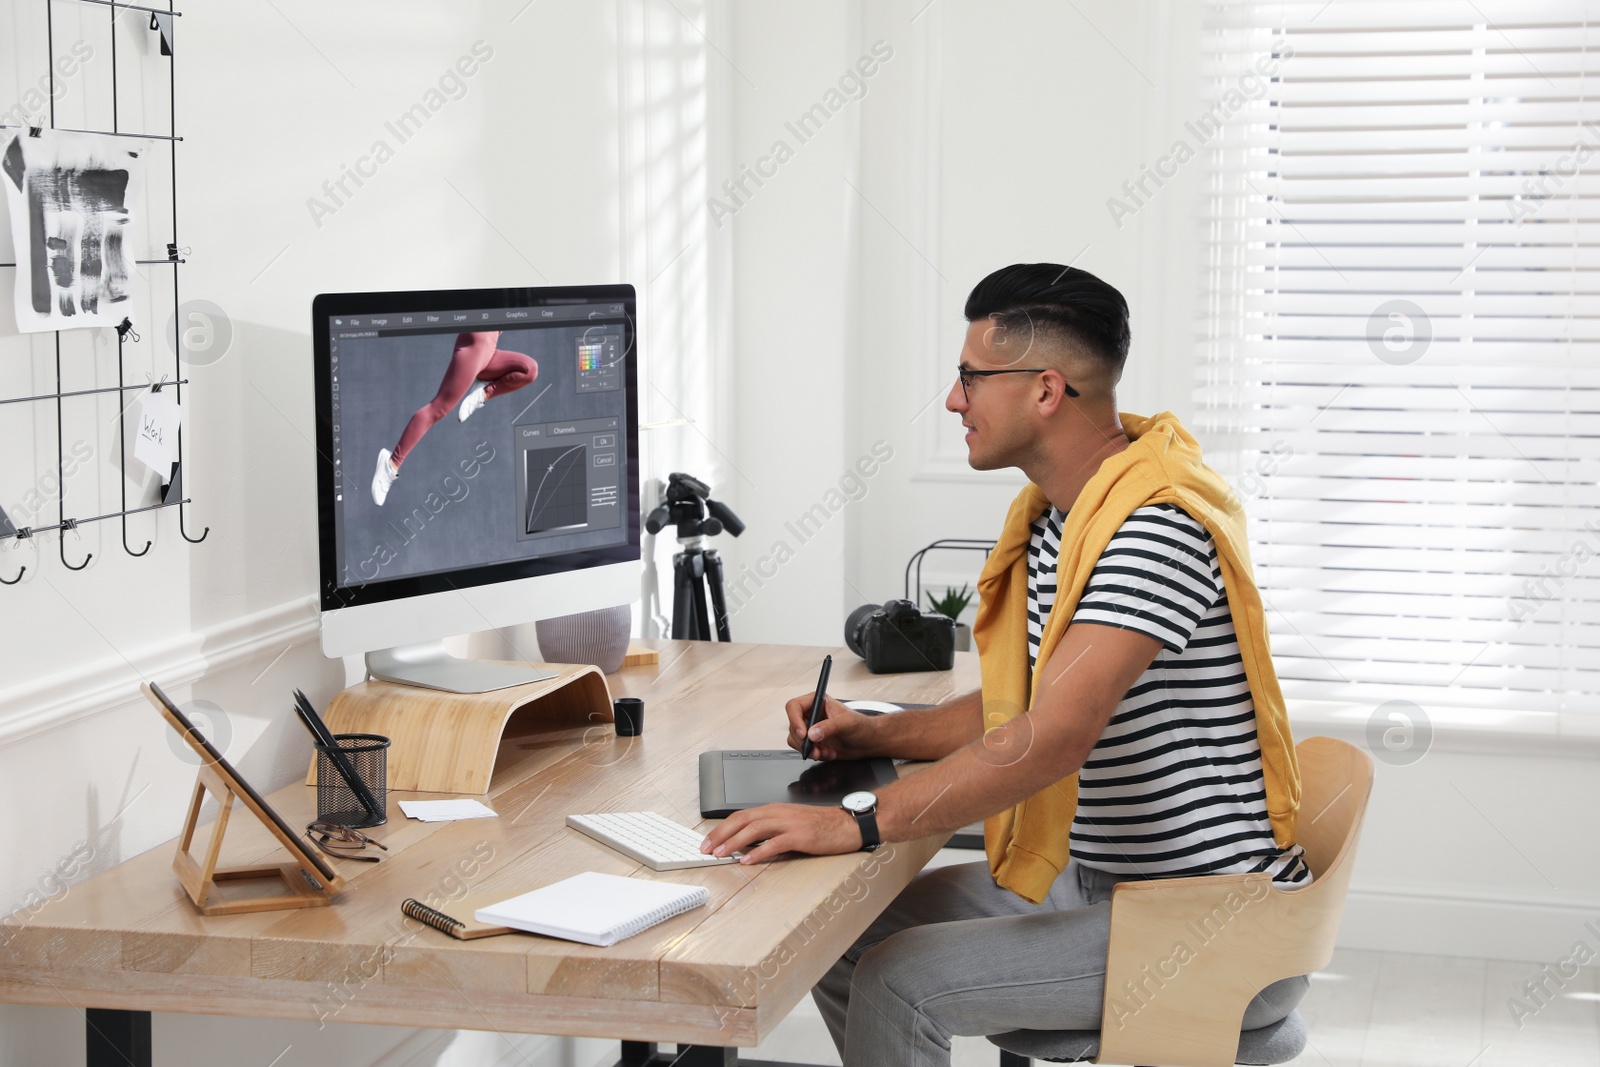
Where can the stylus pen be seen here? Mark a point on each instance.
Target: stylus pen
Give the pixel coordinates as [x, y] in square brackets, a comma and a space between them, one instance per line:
[330, 744]
[308, 712]
[816, 705]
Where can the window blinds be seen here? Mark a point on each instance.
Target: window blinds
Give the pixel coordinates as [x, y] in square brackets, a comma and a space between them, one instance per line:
[1400, 364]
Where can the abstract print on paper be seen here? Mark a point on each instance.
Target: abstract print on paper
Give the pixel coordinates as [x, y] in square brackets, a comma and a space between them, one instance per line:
[71, 202]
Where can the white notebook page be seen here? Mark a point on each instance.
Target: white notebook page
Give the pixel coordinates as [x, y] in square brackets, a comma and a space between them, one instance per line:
[594, 908]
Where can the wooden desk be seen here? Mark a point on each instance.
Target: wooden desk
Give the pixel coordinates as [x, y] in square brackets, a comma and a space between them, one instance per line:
[718, 977]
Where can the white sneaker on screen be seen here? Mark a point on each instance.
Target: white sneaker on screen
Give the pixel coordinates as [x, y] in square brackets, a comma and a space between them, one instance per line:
[473, 401]
[383, 477]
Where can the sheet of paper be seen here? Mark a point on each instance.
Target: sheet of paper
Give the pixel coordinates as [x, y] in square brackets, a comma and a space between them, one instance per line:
[447, 810]
[155, 444]
[71, 198]
[877, 707]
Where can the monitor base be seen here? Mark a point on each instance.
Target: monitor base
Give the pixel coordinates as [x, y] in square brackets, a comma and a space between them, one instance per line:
[429, 666]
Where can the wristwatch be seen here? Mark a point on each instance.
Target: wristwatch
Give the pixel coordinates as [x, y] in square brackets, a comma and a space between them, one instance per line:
[864, 806]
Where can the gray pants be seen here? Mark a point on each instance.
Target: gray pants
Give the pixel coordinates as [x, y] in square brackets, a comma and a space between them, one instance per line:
[956, 954]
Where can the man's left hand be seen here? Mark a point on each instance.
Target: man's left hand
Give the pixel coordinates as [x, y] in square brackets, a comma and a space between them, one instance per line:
[810, 828]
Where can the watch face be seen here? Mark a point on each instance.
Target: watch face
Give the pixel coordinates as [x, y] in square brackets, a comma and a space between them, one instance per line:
[861, 801]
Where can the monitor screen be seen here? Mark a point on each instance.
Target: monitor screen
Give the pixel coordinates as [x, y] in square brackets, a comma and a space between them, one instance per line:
[473, 436]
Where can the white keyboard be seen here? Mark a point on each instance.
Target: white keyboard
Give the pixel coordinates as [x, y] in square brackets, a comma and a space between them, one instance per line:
[654, 840]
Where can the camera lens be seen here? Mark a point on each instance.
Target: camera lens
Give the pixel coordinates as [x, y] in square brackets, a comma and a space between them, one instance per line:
[853, 625]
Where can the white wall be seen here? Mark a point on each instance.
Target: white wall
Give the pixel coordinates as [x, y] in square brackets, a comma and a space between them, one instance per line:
[794, 342]
[1469, 849]
[1006, 130]
[971, 146]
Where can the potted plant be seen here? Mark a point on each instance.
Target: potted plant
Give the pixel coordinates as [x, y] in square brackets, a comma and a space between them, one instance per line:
[953, 603]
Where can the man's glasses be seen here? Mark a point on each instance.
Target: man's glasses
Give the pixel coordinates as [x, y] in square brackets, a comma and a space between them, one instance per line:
[343, 841]
[966, 376]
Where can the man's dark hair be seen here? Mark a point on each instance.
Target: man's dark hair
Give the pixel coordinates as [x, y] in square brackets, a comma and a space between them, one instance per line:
[1063, 304]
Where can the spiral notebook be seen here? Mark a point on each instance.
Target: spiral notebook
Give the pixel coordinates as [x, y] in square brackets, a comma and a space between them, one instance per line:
[594, 908]
[468, 929]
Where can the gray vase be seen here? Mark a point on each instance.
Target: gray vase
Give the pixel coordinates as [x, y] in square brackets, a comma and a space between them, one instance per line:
[597, 637]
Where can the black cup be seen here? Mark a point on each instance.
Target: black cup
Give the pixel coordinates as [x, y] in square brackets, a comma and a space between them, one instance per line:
[629, 715]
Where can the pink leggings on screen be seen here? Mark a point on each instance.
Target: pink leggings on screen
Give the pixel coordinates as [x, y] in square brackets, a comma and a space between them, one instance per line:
[475, 359]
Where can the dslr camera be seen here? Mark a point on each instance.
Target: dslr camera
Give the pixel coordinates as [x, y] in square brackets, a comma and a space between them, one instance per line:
[897, 636]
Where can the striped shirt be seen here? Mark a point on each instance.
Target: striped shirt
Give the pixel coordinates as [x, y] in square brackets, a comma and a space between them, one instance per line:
[1174, 786]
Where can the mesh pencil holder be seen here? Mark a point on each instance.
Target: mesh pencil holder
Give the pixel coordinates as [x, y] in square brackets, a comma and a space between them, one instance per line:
[367, 755]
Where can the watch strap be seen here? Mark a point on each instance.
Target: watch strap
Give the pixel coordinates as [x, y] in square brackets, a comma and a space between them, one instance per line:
[867, 821]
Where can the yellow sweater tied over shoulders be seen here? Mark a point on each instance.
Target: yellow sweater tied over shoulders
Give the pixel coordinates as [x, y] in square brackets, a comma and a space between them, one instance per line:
[1028, 845]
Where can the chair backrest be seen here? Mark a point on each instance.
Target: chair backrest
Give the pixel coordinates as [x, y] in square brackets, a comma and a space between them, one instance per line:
[1335, 781]
[1187, 955]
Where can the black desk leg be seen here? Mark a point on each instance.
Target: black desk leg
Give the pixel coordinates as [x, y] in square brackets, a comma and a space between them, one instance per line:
[117, 1038]
[645, 1054]
[707, 1056]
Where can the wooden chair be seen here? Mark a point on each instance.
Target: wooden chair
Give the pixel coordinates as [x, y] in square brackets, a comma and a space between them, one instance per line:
[1168, 1008]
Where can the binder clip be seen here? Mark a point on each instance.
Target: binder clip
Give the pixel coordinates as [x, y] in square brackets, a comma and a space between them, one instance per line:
[161, 22]
[35, 131]
[172, 490]
[125, 331]
[176, 254]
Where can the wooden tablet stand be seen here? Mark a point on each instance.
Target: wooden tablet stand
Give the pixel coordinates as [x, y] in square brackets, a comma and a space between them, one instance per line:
[447, 742]
[308, 882]
[303, 886]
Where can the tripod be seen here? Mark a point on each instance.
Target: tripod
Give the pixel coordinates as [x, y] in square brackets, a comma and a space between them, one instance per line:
[696, 569]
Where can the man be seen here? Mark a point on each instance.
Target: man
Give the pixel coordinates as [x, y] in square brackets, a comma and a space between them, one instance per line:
[1130, 724]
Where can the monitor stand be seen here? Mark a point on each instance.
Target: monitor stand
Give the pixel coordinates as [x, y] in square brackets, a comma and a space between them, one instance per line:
[428, 665]
[442, 742]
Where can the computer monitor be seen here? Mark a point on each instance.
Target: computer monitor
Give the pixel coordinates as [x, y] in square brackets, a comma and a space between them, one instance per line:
[477, 467]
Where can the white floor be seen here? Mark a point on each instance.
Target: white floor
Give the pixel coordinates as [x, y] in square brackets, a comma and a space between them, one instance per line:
[1367, 1009]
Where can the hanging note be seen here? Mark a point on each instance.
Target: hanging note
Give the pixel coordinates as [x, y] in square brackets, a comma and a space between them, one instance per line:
[155, 442]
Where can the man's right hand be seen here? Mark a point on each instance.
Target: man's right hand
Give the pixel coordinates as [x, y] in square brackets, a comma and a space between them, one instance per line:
[841, 734]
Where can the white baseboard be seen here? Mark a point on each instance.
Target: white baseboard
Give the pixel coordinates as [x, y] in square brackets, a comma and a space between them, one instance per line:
[1438, 924]
[478, 1048]
[423, 1048]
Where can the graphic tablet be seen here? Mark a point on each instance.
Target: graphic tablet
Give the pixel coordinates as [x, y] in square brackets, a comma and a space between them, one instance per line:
[731, 780]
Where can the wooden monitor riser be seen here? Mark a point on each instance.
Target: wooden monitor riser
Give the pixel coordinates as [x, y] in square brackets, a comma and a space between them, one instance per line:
[447, 742]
